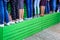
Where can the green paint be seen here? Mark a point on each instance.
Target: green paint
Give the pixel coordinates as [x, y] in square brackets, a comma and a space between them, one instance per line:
[28, 28]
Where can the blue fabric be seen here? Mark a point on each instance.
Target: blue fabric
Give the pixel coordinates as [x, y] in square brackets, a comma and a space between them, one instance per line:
[29, 5]
[47, 8]
[3, 12]
[53, 4]
[5, 0]
[6, 13]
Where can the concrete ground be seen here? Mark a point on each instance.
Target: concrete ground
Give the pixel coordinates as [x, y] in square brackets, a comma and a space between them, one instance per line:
[52, 33]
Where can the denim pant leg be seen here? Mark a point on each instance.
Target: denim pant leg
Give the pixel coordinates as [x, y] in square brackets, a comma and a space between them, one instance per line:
[38, 7]
[35, 6]
[31, 8]
[1, 12]
[28, 8]
[54, 5]
[6, 13]
[47, 8]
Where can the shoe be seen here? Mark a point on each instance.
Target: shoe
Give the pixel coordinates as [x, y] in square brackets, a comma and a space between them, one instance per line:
[17, 21]
[1, 25]
[7, 24]
[35, 16]
[21, 20]
[11, 22]
[29, 18]
[38, 15]
[57, 10]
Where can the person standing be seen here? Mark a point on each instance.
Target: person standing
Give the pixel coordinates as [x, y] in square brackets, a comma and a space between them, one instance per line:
[29, 4]
[14, 11]
[37, 7]
[43, 4]
[47, 8]
[53, 5]
[3, 13]
[21, 10]
[58, 6]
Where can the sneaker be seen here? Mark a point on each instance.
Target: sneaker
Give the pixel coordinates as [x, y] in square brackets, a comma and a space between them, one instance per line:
[35, 16]
[7, 24]
[17, 21]
[57, 10]
[1, 25]
[11, 22]
[21, 20]
[29, 18]
[38, 15]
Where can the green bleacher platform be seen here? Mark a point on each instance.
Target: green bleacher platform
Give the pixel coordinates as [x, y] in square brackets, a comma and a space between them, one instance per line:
[28, 28]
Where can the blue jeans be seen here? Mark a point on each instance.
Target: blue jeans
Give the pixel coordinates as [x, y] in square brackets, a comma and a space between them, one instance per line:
[36, 6]
[47, 8]
[3, 12]
[53, 5]
[29, 4]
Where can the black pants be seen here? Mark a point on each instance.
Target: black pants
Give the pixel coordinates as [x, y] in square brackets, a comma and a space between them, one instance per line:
[14, 9]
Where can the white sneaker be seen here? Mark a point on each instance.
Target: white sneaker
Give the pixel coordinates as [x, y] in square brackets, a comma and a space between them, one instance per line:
[17, 21]
[1, 25]
[29, 18]
[38, 15]
[35, 16]
[57, 10]
[21, 20]
[11, 22]
[7, 24]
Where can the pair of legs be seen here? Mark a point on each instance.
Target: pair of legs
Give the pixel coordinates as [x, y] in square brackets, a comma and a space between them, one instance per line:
[43, 4]
[21, 9]
[14, 10]
[36, 6]
[53, 5]
[47, 8]
[29, 4]
[3, 12]
[58, 7]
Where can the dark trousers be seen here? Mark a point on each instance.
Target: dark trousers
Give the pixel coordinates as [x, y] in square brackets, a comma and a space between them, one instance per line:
[14, 9]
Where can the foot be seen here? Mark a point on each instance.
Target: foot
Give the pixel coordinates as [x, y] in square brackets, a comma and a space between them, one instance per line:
[42, 15]
[53, 11]
[1, 25]
[29, 18]
[17, 21]
[35, 16]
[21, 20]
[38, 15]
[7, 24]
[12, 22]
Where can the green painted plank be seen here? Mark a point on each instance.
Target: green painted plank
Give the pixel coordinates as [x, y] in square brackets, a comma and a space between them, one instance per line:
[29, 27]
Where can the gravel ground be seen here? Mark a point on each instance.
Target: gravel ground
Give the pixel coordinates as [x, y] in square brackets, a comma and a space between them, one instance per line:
[52, 33]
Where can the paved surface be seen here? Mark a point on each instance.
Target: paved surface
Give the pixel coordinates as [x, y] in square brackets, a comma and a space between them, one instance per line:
[52, 33]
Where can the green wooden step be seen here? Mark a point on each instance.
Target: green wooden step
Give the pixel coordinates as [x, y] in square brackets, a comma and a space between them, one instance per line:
[28, 28]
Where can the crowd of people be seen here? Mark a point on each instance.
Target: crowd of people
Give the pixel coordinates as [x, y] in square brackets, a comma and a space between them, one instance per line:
[35, 8]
